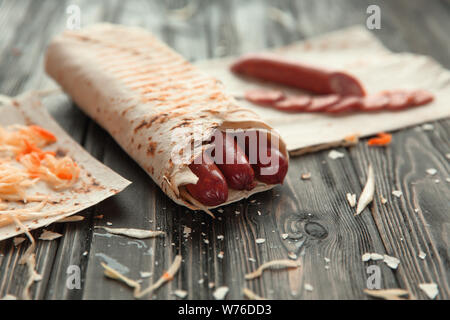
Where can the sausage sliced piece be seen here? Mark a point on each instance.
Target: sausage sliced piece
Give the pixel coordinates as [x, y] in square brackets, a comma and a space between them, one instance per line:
[421, 97]
[399, 99]
[264, 96]
[375, 102]
[293, 103]
[277, 69]
[211, 188]
[346, 104]
[234, 164]
[321, 103]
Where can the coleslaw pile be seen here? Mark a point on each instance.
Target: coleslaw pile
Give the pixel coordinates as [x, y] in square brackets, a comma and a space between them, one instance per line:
[23, 163]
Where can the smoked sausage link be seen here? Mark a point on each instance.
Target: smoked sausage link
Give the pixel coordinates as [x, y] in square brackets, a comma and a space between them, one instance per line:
[211, 188]
[234, 164]
[277, 168]
[291, 73]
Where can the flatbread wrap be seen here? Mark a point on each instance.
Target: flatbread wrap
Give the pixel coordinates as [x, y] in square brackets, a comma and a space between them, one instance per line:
[165, 113]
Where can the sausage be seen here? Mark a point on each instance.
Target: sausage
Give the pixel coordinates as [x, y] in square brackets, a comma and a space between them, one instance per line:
[293, 103]
[321, 103]
[263, 96]
[294, 74]
[346, 104]
[234, 164]
[399, 99]
[421, 97]
[211, 188]
[275, 170]
[375, 102]
[402, 99]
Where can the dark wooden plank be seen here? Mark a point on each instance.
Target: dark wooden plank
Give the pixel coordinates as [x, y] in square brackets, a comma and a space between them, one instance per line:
[24, 51]
[129, 209]
[416, 221]
[422, 28]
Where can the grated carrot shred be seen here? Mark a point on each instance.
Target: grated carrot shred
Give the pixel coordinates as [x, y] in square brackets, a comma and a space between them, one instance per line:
[58, 172]
[353, 138]
[23, 163]
[31, 148]
[46, 135]
[167, 276]
[3, 206]
[382, 139]
[25, 143]
[17, 138]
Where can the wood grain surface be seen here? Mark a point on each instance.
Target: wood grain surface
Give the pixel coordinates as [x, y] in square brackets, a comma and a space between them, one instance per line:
[323, 233]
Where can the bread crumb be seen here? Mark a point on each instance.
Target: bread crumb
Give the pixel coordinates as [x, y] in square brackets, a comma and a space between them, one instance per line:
[333, 154]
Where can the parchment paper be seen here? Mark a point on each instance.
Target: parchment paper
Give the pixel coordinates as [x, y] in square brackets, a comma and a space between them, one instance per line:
[358, 52]
[96, 182]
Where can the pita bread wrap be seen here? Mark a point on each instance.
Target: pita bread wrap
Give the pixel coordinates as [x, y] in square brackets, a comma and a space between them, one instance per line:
[151, 100]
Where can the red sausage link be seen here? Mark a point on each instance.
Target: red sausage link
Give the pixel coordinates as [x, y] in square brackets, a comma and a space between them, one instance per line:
[234, 164]
[291, 73]
[211, 188]
[293, 103]
[264, 96]
[276, 164]
[275, 170]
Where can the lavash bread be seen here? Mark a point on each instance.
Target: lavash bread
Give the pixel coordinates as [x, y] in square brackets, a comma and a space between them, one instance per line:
[150, 100]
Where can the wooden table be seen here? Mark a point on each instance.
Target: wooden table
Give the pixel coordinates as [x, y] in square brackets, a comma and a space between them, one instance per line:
[323, 232]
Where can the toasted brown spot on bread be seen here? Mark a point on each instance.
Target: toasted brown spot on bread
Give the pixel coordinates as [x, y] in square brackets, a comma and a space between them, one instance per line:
[152, 148]
[140, 126]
